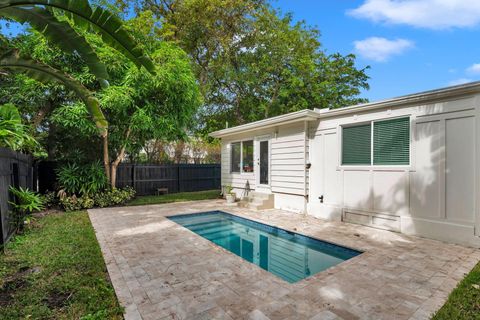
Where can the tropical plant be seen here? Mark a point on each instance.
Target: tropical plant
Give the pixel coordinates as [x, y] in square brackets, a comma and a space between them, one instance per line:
[25, 202]
[86, 179]
[45, 74]
[97, 19]
[15, 135]
[141, 107]
[79, 13]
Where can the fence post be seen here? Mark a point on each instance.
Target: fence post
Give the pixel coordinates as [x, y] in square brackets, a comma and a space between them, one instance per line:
[178, 178]
[134, 176]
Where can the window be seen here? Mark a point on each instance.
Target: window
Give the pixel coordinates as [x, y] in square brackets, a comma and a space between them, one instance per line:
[242, 157]
[391, 142]
[247, 158]
[235, 157]
[356, 145]
[390, 145]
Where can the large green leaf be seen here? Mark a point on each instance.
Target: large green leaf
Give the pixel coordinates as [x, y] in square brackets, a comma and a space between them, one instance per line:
[104, 22]
[60, 33]
[47, 74]
[9, 112]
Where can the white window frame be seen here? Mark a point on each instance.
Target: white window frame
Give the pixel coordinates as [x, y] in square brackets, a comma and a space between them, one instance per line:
[371, 166]
[241, 156]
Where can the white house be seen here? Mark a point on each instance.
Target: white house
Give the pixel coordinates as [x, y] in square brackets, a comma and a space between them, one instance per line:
[409, 164]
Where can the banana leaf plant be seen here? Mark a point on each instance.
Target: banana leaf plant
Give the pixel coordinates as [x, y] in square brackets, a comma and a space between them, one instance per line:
[62, 34]
[97, 19]
[41, 16]
[46, 74]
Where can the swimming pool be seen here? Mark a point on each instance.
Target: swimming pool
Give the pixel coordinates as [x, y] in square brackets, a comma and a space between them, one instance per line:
[288, 255]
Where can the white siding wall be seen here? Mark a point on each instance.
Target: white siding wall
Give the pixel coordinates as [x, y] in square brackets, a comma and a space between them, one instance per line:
[435, 196]
[288, 155]
[288, 160]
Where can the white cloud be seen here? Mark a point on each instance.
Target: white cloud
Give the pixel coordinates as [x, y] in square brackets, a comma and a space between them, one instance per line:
[381, 49]
[460, 81]
[474, 68]
[430, 14]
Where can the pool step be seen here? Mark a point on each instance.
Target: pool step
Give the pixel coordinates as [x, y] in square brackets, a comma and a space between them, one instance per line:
[257, 201]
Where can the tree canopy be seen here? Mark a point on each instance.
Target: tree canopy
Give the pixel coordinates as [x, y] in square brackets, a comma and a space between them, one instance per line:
[213, 62]
[138, 105]
[254, 62]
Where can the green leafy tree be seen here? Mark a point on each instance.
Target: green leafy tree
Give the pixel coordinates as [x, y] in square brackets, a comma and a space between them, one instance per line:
[104, 23]
[139, 106]
[253, 62]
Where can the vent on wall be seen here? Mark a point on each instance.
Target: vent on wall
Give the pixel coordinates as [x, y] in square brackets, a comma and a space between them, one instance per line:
[375, 220]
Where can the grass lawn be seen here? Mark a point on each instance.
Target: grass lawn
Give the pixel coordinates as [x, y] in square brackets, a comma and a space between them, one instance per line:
[175, 197]
[464, 301]
[56, 271]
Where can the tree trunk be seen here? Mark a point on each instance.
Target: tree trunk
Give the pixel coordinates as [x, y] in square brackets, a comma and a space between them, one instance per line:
[114, 165]
[113, 175]
[106, 160]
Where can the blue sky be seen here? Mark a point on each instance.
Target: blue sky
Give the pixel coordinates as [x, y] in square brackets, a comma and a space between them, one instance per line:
[410, 45]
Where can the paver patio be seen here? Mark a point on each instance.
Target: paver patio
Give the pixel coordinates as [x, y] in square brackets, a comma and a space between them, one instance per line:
[161, 270]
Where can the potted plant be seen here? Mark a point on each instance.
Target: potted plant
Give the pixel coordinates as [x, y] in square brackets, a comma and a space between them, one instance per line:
[229, 194]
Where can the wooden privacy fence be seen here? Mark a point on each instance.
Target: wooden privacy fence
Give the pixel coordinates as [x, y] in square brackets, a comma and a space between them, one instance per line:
[148, 179]
[15, 170]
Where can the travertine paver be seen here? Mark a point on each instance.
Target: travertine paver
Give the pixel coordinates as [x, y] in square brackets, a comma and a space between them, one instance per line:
[161, 270]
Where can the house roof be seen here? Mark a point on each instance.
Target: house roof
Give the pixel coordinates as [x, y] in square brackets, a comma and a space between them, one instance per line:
[308, 115]
[302, 115]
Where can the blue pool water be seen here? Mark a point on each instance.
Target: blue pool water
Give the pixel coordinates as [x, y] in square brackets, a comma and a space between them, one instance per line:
[288, 255]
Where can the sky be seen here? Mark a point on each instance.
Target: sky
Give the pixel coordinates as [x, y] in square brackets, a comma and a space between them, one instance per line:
[410, 45]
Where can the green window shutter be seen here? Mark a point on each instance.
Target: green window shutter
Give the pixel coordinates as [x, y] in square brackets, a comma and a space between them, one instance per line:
[391, 142]
[356, 145]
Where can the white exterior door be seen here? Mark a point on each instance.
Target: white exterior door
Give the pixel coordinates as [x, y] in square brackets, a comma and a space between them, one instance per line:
[262, 164]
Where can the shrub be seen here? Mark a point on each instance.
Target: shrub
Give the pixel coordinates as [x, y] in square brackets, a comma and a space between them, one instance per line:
[74, 203]
[101, 199]
[85, 179]
[49, 199]
[26, 202]
[114, 197]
